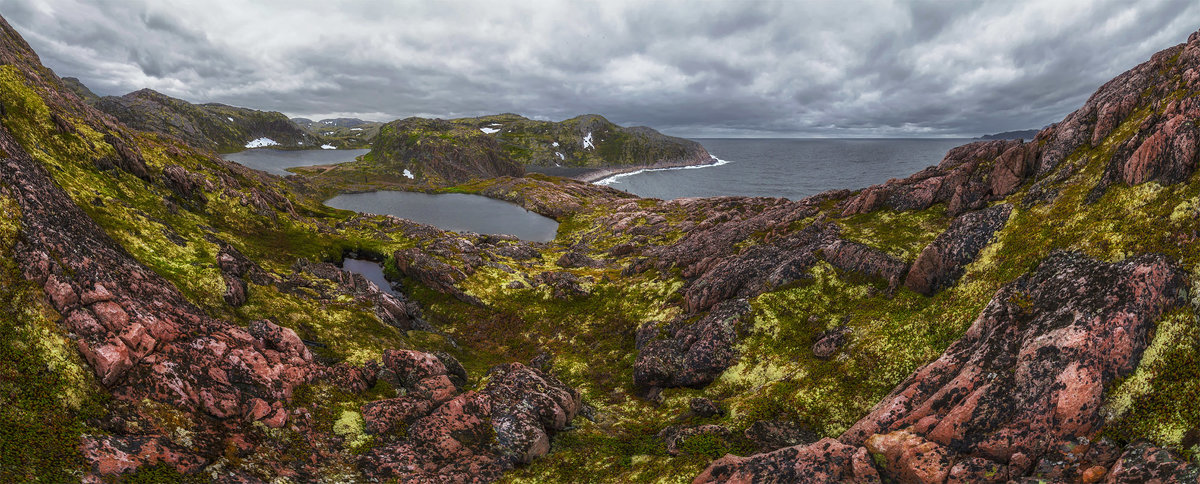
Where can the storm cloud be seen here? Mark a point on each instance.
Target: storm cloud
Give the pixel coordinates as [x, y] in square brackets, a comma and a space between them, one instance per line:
[830, 68]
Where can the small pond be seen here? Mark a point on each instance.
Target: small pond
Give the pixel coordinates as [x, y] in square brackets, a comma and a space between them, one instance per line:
[453, 211]
[276, 162]
[373, 271]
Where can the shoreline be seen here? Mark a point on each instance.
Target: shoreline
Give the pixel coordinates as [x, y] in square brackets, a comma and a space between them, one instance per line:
[601, 174]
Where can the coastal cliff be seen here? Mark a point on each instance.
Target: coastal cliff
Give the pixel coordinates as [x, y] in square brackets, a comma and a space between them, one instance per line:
[1020, 311]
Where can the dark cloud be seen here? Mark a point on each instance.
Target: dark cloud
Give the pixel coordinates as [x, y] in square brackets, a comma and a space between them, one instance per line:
[844, 68]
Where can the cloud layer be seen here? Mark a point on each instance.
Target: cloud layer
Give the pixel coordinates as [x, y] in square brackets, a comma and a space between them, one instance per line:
[829, 68]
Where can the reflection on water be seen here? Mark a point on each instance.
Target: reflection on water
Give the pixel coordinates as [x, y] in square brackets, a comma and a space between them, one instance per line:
[276, 162]
[373, 271]
[453, 211]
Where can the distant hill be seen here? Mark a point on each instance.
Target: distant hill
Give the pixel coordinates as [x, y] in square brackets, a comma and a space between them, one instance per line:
[342, 132]
[447, 152]
[588, 141]
[217, 127]
[1023, 134]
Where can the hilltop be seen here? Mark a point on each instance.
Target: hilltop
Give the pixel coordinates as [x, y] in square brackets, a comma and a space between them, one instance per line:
[216, 127]
[1020, 311]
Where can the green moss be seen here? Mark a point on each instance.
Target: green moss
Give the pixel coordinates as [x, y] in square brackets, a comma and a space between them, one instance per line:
[902, 235]
[47, 394]
[1148, 403]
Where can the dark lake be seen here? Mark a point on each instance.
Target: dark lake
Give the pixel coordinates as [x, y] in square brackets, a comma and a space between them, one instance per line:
[276, 162]
[453, 211]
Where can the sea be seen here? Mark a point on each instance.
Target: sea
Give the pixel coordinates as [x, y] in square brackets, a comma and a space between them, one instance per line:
[788, 168]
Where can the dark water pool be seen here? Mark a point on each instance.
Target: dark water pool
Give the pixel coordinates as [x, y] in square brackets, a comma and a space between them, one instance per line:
[453, 211]
[373, 271]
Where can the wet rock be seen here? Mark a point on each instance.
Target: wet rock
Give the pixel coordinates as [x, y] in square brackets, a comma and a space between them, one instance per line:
[821, 462]
[943, 261]
[690, 355]
[1029, 374]
[769, 435]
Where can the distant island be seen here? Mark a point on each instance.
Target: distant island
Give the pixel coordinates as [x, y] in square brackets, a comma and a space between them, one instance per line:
[1023, 134]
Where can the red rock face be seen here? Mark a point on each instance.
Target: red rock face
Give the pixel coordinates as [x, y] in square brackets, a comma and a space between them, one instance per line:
[1031, 370]
[1026, 380]
[474, 437]
[824, 461]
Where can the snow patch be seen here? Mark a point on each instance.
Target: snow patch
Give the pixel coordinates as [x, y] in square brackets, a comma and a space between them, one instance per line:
[408, 174]
[554, 144]
[230, 119]
[587, 141]
[355, 129]
[490, 130]
[262, 143]
[560, 156]
[328, 147]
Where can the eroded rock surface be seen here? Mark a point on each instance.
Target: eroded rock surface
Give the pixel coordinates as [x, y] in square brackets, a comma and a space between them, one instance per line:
[476, 436]
[944, 260]
[1026, 380]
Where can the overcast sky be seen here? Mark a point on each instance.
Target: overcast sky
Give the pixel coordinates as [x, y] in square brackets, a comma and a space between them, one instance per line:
[835, 68]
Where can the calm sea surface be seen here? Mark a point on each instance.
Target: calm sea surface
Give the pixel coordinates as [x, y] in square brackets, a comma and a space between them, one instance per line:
[789, 168]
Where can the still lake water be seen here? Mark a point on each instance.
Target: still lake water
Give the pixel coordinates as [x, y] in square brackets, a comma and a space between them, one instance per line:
[789, 168]
[276, 162]
[453, 211]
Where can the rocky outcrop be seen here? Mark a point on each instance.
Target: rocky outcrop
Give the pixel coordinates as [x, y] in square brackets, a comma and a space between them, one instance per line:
[824, 461]
[1027, 379]
[133, 328]
[944, 260]
[437, 152]
[871, 262]
[214, 127]
[769, 435]
[391, 308]
[688, 354]
[476, 436]
[1033, 366]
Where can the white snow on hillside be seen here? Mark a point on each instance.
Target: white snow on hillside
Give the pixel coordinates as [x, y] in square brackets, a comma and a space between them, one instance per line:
[560, 156]
[408, 174]
[262, 143]
[230, 119]
[555, 144]
[490, 130]
[328, 147]
[587, 141]
[355, 129]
